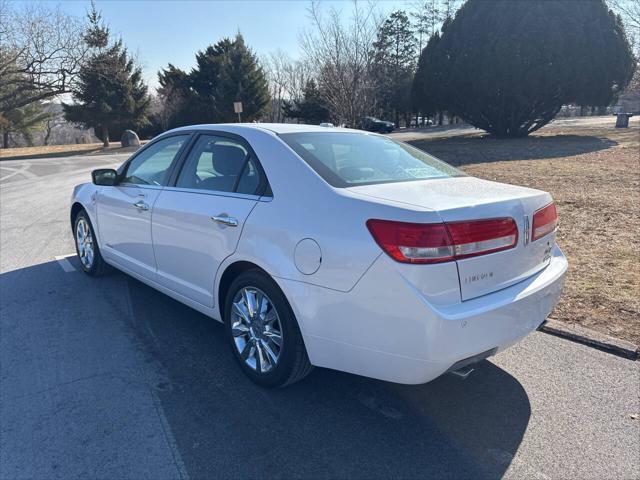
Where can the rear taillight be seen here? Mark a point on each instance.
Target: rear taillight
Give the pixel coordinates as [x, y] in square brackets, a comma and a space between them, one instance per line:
[545, 221]
[443, 242]
[413, 242]
[480, 237]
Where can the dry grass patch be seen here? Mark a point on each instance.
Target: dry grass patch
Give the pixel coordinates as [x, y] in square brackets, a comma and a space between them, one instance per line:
[593, 174]
[52, 151]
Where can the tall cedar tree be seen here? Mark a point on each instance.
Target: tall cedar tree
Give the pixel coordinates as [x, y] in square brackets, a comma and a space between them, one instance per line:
[179, 105]
[395, 49]
[311, 108]
[111, 95]
[508, 67]
[229, 72]
[427, 90]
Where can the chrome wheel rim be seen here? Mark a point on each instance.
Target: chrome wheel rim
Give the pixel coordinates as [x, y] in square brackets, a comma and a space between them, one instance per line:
[256, 329]
[84, 242]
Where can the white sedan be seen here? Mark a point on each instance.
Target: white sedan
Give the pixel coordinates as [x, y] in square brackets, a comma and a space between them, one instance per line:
[328, 247]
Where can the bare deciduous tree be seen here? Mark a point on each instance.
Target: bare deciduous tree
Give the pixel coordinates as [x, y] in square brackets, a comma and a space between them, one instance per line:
[287, 79]
[341, 59]
[629, 10]
[275, 65]
[41, 50]
[428, 16]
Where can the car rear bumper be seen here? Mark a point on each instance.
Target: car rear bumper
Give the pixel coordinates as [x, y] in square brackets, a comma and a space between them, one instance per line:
[384, 328]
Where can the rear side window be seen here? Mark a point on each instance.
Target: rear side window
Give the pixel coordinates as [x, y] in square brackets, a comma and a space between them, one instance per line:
[220, 164]
[348, 159]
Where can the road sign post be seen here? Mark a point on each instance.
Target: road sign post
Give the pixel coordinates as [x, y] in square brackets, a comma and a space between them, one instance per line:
[237, 107]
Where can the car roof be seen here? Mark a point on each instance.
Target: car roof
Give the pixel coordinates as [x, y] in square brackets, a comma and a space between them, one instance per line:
[271, 127]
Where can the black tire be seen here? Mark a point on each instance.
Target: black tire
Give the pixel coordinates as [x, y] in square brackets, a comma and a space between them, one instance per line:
[293, 363]
[98, 267]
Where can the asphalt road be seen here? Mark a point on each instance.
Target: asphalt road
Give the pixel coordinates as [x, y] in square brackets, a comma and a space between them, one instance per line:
[107, 378]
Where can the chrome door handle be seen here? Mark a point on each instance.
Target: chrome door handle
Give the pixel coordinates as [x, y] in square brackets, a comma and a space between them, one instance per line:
[225, 220]
[140, 205]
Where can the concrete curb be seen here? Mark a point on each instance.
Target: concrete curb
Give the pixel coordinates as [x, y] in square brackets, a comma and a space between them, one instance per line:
[591, 338]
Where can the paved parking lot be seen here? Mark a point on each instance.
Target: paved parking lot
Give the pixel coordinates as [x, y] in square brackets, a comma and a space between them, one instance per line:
[109, 378]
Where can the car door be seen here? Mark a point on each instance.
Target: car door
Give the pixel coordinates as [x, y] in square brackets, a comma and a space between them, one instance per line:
[197, 221]
[124, 211]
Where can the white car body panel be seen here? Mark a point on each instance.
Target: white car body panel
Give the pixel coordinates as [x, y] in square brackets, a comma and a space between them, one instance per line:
[359, 311]
[126, 230]
[185, 239]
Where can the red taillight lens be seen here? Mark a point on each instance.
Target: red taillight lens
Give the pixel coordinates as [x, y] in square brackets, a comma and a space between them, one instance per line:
[440, 242]
[545, 221]
[412, 242]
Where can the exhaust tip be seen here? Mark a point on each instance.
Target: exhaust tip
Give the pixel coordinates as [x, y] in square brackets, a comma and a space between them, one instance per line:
[464, 367]
[463, 372]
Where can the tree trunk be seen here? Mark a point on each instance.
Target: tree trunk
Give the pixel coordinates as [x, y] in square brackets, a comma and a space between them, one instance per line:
[48, 134]
[105, 136]
[5, 139]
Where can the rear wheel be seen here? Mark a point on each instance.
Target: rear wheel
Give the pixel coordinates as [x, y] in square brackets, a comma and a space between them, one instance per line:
[263, 332]
[87, 248]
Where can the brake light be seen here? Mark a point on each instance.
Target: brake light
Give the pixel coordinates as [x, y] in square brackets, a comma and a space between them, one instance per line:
[443, 242]
[413, 242]
[545, 221]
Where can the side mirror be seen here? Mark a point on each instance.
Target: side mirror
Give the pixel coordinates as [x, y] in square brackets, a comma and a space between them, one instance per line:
[107, 177]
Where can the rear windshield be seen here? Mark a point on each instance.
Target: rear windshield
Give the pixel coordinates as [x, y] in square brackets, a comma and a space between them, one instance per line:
[347, 159]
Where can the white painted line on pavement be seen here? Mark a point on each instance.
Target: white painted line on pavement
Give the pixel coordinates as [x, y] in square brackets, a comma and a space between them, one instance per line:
[18, 171]
[65, 264]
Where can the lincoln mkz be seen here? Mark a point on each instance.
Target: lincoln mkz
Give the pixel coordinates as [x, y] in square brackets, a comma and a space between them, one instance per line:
[334, 248]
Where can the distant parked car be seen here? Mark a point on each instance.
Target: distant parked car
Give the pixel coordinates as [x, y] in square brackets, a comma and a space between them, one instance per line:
[327, 124]
[326, 246]
[421, 122]
[372, 124]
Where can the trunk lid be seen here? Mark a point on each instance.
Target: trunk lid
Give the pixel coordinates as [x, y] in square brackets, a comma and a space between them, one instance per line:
[467, 198]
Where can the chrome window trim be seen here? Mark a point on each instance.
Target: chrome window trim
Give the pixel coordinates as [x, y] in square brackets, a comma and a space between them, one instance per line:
[124, 167]
[196, 134]
[140, 185]
[217, 193]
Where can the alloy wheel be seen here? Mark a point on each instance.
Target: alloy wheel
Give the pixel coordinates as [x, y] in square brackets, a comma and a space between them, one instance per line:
[84, 241]
[256, 329]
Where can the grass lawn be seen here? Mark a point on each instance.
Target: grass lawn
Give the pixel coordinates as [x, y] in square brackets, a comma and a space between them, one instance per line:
[593, 172]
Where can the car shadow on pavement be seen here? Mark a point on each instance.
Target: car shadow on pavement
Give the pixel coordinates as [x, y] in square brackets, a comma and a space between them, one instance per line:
[330, 425]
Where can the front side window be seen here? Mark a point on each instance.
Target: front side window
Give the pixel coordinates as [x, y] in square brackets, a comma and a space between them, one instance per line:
[346, 159]
[151, 166]
[220, 164]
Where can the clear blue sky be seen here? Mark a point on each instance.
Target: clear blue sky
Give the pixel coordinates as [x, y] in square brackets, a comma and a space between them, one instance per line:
[160, 32]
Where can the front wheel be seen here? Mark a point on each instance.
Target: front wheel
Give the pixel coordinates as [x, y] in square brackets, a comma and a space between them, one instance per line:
[87, 246]
[263, 332]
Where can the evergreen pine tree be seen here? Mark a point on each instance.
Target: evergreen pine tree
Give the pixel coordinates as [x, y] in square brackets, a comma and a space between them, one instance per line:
[111, 94]
[395, 49]
[229, 72]
[427, 89]
[311, 109]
